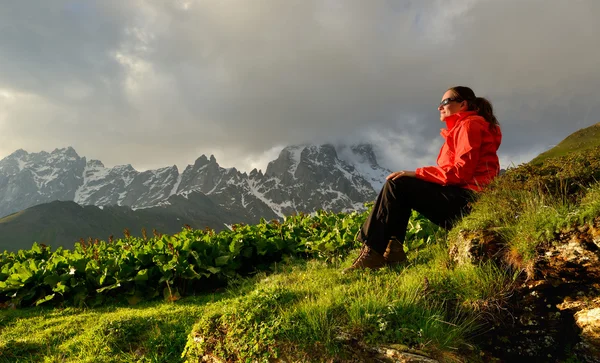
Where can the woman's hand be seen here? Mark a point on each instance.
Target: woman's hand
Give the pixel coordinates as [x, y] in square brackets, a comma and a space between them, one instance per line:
[398, 174]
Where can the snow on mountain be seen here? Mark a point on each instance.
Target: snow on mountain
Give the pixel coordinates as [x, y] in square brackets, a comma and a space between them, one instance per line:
[310, 177]
[104, 186]
[29, 179]
[150, 187]
[363, 158]
[303, 178]
[295, 155]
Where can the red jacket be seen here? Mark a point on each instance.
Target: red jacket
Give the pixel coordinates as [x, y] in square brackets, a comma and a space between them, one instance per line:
[468, 157]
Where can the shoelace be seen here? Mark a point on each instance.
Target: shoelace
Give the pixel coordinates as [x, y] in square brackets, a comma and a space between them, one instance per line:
[362, 250]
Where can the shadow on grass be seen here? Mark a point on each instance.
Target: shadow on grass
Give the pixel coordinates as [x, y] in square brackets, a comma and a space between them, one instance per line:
[16, 351]
[9, 316]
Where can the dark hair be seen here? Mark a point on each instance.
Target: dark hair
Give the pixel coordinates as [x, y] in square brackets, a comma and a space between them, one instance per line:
[479, 104]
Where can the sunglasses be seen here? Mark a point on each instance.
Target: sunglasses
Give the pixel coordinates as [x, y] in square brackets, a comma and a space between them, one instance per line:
[448, 100]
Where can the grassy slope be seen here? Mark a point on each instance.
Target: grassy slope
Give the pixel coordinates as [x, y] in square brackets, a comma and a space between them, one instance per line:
[154, 331]
[62, 223]
[579, 141]
[305, 305]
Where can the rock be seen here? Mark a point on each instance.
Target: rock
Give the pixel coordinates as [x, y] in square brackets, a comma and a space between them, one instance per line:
[393, 353]
[476, 246]
[556, 309]
[401, 357]
[574, 259]
[588, 320]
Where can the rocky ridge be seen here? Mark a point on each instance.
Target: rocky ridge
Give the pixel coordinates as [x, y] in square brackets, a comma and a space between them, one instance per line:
[304, 178]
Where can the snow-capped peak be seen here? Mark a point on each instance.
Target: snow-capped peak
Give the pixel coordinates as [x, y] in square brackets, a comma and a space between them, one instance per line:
[303, 178]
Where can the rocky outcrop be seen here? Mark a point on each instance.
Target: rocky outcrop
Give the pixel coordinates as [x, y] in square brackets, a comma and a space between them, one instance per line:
[476, 246]
[397, 354]
[587, 319]
[390, 353]
[554, 311]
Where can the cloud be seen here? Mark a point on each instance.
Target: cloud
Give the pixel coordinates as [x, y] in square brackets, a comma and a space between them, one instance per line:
[160, 83]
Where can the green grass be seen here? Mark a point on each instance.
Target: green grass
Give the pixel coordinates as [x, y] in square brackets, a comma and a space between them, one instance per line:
[579, 141]
[531, 204]
[589, 207]
[302, 309]
[149, 332]
[527, 219]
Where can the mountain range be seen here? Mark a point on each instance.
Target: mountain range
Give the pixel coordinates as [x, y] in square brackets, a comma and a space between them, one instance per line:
[58, 197]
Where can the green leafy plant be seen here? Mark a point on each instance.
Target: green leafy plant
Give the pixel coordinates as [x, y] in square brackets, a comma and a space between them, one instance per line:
[137, 269]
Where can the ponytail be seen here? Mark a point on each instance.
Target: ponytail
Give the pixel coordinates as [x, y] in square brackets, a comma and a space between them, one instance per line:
[485, 110]
[479, 104]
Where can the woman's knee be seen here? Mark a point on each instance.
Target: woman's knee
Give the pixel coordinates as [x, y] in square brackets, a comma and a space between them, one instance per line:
[402, 182]
[403, 188]
[395, 188]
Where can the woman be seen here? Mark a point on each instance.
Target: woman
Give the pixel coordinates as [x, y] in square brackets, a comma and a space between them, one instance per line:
[466, 164]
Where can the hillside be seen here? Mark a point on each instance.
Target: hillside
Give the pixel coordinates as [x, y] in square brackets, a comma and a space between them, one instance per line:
[515, 280]
[581, 140]
[62, 223]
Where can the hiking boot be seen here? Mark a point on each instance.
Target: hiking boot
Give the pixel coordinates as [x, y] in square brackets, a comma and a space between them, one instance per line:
[394, 253]
[368, 258]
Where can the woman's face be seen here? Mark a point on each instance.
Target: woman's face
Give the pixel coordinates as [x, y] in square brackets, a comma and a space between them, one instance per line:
[449, 106]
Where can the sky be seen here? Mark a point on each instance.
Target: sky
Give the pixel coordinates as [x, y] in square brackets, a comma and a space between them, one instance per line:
[159, 83]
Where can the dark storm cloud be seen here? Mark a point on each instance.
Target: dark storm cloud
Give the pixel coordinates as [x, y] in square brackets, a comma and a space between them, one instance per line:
[158, 83]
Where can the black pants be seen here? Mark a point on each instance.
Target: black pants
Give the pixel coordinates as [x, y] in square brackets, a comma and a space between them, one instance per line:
[442, 205]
